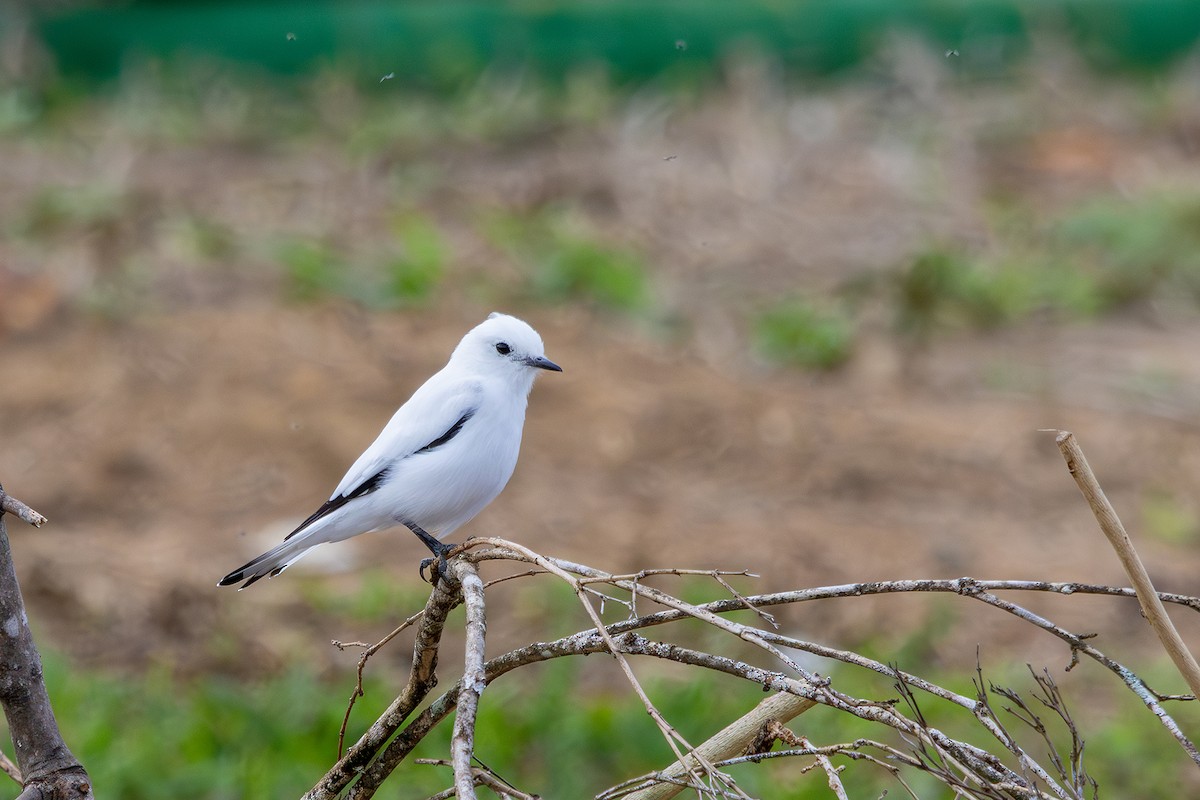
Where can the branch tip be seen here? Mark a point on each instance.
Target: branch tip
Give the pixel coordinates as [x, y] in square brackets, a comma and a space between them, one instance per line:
[11, 505]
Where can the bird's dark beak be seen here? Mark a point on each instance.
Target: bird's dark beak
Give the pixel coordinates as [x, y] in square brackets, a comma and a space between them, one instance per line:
[541, 362]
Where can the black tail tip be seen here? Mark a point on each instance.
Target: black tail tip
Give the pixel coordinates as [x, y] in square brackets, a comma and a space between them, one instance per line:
[240, 575]
[230, 579]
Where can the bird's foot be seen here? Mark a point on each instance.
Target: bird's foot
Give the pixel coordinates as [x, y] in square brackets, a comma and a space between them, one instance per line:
[437, 566]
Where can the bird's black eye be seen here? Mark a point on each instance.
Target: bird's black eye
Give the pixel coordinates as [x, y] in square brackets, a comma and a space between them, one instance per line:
[502, 348]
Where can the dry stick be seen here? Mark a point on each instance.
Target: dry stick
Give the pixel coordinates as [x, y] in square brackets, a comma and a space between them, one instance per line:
[728, 742]
[49, 768]
[1152, 607]
[462, 743]
[11, 505]
[963, 586]
[968, 587]
[760, 638]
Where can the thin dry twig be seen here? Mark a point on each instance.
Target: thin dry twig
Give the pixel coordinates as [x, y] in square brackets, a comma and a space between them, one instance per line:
[1078, 645]
[565, 569]
[483, 776]
[362, 664]
[1110, 524]
[972, 759]
[763, 615]
[10, 769]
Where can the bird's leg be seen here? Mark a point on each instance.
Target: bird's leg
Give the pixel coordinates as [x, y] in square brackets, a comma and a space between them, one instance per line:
[439, 550]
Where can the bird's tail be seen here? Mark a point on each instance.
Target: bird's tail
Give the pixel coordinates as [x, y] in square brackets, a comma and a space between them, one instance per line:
[269, 564]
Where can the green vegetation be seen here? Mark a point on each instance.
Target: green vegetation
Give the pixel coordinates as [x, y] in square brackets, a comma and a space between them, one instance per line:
[313, 269]
[1104, 257]
[1134, 250]
[57, 211]
[408, 274]
[801, 333]
[566, 263]
[1170, 518]
[413, 274]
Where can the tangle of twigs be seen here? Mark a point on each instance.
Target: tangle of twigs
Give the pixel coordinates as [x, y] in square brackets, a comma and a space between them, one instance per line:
[968, 769]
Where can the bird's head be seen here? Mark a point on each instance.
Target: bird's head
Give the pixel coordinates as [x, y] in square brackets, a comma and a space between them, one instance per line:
[504, 345]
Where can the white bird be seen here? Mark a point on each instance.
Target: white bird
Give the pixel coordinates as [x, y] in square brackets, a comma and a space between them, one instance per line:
[444, 455]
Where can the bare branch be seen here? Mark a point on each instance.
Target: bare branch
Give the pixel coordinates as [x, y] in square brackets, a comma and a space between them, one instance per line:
[462, 743]
[973, 761]
[49, 769]
[1110, 523]
[964, 586]
[11, 505]
[561, 567]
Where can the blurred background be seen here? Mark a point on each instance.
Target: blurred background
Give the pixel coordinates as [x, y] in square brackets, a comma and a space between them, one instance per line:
[817, 273]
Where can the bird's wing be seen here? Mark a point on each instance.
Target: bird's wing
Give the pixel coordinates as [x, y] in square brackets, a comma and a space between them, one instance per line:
[433, 416]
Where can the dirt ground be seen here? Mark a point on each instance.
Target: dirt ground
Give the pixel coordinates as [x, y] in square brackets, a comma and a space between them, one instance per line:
[173, 440]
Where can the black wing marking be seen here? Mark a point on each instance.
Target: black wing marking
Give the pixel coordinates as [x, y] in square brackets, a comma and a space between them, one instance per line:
[375, 481]
[448, 435]
[366, 487]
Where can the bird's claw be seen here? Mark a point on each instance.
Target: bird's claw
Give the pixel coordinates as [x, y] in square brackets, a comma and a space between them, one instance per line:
[437, 566]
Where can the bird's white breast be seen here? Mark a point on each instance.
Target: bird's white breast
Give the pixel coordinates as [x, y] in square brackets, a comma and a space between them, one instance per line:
[444, 488]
